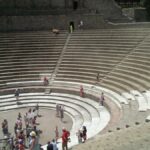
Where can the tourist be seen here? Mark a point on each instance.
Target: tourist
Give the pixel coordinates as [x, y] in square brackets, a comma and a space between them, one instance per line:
[5, 127]
[61, 113]
[21, 145]
[80, 26]
[81, 91]
[21, 139]
[55, 31]
[17, 93]
[56, 134]
[79, 135]
[97, 77]
[65, 137]
[71, 28]
[84, 133]
[45, 80]
[37, 110]
[16, 129]
[102, 99]
[19, 123]
[19, 115]
[54, 145]
[33, 143]
[57, 110]
[49, 146]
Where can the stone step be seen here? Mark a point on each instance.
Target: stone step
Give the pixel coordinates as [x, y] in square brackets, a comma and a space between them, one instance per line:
[143, 105]
[91, 89]
[93, 128]
[128, 82]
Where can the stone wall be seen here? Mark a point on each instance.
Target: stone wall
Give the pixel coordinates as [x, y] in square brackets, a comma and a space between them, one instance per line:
[138, 14]
[108, 8]
[47, 22]
[46, 14]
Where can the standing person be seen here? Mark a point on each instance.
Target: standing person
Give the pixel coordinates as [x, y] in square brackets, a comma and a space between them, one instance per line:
[57, 110]
[17, 93]
[102, 99]
[5, 127]
[21, 145]
[61, 113]
[33, 145]
[79, 135]
[65, 136]
[46, 82]
[56, 134]
[71, 28]
[49, 146]
[97, 77]
[19, 115]
[80, 24]
[84, 134]
[54, 145]
[81, 91]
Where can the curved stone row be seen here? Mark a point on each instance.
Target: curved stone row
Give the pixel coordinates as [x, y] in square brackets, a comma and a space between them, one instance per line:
[81, 62]
[83, 111]
[135, 101]
[121, 56]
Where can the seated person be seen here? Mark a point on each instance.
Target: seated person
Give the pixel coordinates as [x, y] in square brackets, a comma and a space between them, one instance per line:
[55, 31]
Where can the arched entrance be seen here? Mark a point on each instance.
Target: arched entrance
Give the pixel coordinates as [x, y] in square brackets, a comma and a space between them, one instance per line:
[75, 4]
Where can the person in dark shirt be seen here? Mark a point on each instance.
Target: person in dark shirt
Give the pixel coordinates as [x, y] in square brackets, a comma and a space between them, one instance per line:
[49, 146]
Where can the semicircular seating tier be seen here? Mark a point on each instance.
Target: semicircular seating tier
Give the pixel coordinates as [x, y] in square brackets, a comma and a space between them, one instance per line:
[119, 56]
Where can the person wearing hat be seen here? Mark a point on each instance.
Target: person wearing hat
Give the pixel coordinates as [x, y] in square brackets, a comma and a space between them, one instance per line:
[33, 142]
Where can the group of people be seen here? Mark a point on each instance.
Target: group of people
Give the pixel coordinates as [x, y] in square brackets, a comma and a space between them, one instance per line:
[31, 116]
[23, 137]
[32, 133]
[52, 145]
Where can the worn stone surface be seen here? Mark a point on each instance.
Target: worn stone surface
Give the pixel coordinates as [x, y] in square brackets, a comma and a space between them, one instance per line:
[134, 138]
[47, 122]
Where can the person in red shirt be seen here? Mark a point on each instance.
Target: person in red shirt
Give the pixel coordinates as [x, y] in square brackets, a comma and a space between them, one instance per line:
[81, 91]
[65, 137]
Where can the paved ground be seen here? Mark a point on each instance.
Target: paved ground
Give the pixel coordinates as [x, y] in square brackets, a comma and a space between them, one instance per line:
[133, 138]
[47, 122]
